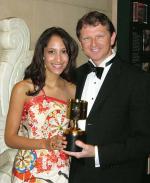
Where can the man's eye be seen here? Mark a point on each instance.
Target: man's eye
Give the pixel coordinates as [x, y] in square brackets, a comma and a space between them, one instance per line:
[86, 39]
[100, 36]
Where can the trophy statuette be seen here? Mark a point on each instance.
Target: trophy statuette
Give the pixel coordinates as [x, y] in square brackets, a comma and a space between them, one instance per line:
[77, 110]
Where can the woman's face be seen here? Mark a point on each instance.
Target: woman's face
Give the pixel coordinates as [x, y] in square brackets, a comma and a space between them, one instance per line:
[55, 55]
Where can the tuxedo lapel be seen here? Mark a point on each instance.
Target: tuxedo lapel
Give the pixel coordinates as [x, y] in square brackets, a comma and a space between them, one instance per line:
[81, 77]
[108, 86]
[80, 86]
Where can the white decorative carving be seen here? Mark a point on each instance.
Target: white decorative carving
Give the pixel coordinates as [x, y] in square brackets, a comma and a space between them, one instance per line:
[14, 57]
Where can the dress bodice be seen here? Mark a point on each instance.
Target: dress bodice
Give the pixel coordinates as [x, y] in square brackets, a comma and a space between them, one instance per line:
[42, 117]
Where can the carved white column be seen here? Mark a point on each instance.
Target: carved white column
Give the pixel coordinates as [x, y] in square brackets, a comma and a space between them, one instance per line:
[14, 57]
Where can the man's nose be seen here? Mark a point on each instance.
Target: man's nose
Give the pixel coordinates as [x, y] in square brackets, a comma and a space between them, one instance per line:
[93, 42]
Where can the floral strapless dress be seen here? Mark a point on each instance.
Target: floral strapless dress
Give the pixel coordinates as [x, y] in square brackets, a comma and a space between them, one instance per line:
[42, 117]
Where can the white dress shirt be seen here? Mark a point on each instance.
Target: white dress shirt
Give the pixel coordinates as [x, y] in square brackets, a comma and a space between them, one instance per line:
[90, 91]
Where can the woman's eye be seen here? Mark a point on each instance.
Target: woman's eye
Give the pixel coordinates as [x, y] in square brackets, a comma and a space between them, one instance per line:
[51, 51]
[64, 51]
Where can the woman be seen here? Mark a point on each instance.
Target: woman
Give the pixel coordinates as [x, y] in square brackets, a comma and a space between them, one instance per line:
[37, 110]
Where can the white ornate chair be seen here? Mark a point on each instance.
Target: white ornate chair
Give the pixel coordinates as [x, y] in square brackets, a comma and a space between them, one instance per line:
[14, 57]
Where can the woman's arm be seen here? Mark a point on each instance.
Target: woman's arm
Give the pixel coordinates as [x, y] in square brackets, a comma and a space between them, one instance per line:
[17, 100]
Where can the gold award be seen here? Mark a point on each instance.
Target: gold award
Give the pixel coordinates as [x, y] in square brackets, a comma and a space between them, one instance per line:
[77, 110]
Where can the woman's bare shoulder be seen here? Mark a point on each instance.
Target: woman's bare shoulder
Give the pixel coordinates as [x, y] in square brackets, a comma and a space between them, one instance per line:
[23, 86]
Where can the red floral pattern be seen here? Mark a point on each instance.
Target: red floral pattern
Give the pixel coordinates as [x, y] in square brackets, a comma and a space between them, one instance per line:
[42, 117]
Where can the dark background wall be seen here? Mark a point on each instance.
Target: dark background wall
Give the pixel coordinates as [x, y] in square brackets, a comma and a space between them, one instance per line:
[133, 27]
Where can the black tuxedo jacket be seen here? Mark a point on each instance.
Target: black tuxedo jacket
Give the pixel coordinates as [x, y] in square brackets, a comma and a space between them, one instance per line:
[119, 123]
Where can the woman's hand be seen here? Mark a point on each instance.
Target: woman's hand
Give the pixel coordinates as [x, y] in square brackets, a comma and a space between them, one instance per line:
[56, 142]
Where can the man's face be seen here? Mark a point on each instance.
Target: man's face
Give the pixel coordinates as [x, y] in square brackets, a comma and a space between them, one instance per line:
[96, 42]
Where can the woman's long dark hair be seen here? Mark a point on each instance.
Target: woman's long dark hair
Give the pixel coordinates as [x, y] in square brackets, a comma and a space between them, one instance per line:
[36, 70]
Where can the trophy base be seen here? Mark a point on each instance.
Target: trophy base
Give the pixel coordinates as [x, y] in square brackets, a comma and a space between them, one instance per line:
[71, 137]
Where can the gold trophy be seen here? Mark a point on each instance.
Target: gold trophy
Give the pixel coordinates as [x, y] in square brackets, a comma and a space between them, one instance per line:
[77, 110]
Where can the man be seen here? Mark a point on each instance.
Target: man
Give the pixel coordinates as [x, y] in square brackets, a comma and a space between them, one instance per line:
[118, 123]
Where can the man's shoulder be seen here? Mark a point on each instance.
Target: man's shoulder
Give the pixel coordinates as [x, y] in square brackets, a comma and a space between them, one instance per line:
[83, 66]
[131, 70]
[82, 69]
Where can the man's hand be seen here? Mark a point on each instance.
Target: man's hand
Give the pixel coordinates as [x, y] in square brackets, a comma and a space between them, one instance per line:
[87, 150]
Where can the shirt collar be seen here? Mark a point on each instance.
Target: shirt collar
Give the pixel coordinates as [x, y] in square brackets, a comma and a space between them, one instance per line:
[105, 60]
